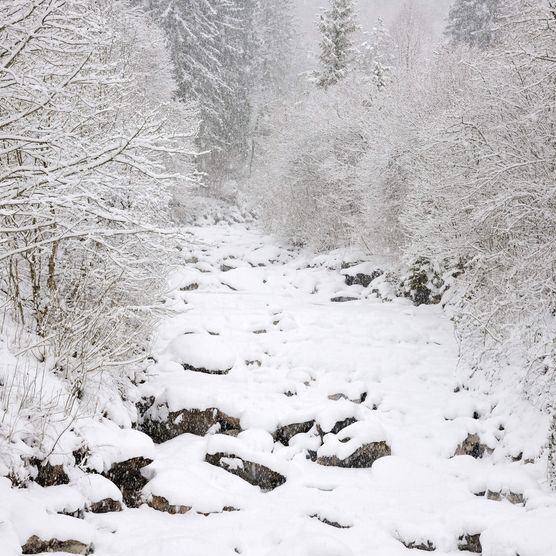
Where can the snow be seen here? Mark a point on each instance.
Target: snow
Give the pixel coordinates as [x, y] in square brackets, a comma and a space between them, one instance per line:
[294, 357]
[109, 444]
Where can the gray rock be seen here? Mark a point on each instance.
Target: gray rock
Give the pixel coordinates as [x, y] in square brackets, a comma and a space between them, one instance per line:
[105, 506]
[329, 522]
[362, 458]
[127, 476]
[470, 543]
[217, 372]
[286, 433]
[36, 545]
[338, 426]
[473, 447]
[160, 504]
[343, 299]
[254, 473]
[361, 279]
[427, 547]
[186, 421]
[50, 475]
[513, 497]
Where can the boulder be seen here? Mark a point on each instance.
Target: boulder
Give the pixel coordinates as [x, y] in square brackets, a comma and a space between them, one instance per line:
[286, 433]
[330, 522]
[218, 372]
[36, 545]
[343, 299]
[50, 475]
[362, 279]
[186, 421]
[127, 476]
[470, 543]
[338, 426]
[362, 458]
[254, 473]
[512, 497]
[105, 506]
[473, 447]
[160, 504]
[427, 546]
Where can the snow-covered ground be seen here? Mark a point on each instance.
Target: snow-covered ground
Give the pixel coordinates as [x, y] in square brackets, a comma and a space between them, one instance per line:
[255, 337]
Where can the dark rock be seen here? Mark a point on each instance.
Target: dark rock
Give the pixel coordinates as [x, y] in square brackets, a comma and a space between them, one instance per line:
[189, 288]
[36, 545]
[341, 425]
[427, 547]
[187, 421]
[328, 522]
[471, 543]
[343, 299]
[338, 397]
[473, 447]
[254, 473]
[143, 405]
[50, 475]
[361, 279]
[225, 510]
[160, 504]
[105, 506]
[218, 372]
[286, 433]
[312, 455]
[362, 458]
[127, 476]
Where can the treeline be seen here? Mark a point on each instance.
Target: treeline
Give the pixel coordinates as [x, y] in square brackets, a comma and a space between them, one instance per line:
[443, 157]
[110, 111]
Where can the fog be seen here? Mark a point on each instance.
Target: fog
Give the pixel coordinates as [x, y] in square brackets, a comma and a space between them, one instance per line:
[368, 12]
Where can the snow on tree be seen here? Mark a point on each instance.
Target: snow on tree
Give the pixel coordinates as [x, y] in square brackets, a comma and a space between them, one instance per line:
[375, 59]
[214, 47]
[408, 35]
[472, 22]
[275, 30]
[337, 52]
[89, 149]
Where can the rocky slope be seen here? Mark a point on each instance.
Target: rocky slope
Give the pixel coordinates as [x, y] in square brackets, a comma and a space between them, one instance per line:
[287, 413]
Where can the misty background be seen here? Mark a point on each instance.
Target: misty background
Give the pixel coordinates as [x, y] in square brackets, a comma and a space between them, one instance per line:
[435, 13]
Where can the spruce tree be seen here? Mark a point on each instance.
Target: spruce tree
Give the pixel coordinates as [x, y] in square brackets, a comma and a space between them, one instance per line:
[337, 25]
[213, 44]
[376, 56]
[472, 22]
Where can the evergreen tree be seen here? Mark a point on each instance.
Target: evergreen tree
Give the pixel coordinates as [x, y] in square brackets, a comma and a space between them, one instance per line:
[376, 56]
[275, 29]
[213, 44]
[337, 25]
[471, 22]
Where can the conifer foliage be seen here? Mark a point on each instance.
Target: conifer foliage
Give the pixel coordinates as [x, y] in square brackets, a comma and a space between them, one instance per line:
[472, 22]
[337, 25]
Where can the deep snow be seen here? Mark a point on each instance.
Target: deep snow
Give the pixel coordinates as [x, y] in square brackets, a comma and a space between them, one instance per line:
[258, 320]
